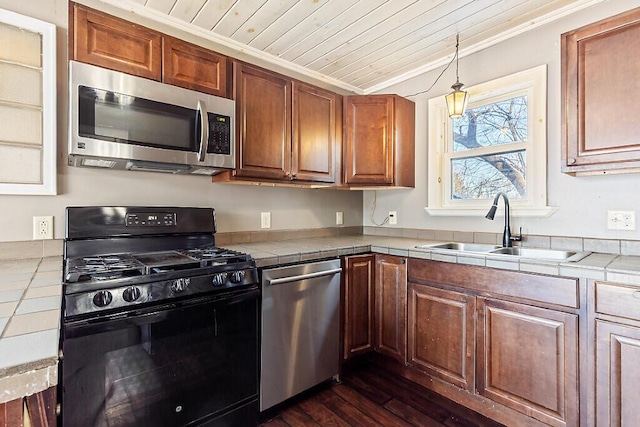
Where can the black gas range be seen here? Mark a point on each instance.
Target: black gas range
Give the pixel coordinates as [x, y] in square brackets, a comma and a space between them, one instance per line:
[160, 326]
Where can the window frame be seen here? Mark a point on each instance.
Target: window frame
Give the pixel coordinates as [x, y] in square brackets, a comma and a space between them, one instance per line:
[49, 126]
[533, 84]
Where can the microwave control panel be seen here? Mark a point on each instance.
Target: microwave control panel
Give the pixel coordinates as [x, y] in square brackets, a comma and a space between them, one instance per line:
[219, 134]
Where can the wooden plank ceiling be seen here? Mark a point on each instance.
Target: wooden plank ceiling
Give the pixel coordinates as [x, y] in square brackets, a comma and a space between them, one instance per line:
[358, 45]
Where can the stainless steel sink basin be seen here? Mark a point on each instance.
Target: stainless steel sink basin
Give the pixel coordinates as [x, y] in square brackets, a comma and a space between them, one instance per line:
[530, 253]
[463, 247]
[548, 254]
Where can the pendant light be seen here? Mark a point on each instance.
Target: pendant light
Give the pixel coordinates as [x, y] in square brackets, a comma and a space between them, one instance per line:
[457, 100]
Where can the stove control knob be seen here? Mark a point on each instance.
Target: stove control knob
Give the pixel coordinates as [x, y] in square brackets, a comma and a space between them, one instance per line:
[131, 294]
[180, 285]
[237, 276]
[102, 298]
[219, 279]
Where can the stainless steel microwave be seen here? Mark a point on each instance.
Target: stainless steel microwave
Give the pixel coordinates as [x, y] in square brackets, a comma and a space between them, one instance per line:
[119, 121]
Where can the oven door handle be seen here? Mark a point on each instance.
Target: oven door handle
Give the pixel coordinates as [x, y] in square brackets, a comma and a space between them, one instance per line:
[290, 279]
[204, 130]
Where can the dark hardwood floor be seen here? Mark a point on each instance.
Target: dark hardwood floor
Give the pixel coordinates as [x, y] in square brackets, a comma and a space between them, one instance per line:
[368, 396]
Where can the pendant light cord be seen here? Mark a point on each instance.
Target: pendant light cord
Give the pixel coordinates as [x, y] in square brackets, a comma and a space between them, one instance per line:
[457, 45]
[373, 211]
[455, 58]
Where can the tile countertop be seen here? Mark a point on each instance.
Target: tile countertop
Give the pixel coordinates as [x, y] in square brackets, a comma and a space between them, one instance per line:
[30, 301]
[596, 266]
[30, 293]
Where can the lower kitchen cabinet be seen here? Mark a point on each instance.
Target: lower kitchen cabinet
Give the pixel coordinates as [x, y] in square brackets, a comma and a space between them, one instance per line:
[391, 306]
[37, 410]
[528, 360]
[503, 343]
[358, 304]
[617, 354]
[441, 331]
[617, 374]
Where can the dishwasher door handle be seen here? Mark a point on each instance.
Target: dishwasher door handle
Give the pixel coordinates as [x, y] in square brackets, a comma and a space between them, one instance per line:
[290, 279]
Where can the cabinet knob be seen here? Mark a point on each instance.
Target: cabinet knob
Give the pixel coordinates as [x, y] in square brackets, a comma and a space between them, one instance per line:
[571, 160]
[636, 294]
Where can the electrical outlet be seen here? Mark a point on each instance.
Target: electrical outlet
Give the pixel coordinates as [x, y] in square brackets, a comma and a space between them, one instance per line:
[42, 227]
[265, 220]
[393, 218]
[621, 220]
[339, 218]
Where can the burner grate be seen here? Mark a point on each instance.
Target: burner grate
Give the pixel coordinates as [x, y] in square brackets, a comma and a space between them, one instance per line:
[102, 268]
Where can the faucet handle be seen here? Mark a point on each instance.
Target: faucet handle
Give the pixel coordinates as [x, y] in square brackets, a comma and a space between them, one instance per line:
[517, 238]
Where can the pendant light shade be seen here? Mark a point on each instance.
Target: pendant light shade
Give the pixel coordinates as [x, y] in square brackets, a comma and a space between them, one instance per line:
[457, 100]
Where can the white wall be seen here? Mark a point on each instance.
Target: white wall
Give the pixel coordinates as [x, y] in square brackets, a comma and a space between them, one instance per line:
[238, 207]
[582, 201]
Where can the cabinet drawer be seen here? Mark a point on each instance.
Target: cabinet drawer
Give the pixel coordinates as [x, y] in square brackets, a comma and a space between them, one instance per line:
[618, 300]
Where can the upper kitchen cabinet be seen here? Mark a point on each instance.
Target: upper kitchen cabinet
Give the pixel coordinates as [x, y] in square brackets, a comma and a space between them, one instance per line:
[317, 130]
[103, 40]
[379, 145]
[193, 67]
[106, 41]
[288, 132]
[601, 130]
[263, 120]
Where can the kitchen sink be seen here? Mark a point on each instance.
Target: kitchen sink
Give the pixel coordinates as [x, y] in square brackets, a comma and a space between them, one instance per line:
[463, 247]
[530, 253]
[548, 254]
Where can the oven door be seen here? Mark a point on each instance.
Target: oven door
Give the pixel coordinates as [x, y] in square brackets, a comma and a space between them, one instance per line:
[183, 364]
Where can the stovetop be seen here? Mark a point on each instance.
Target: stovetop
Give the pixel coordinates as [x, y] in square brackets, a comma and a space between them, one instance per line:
[104, 268]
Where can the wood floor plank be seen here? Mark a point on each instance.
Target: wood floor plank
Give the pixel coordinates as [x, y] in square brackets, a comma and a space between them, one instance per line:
[408, 393]
[348, 412]
[376, 412]
[368, 390]
[321, 414]
[370, 396]
[294, 416]
[276, 422]
[411, 414]
[462, 414]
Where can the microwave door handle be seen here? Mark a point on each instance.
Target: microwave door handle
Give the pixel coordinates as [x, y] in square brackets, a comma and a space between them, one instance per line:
[204, 130]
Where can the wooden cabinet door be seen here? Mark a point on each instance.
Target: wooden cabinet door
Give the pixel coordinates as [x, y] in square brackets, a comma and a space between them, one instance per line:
[391, 306]
[263, 120]
[315, 134]
[369, 140]
[441, 334]
[528, 360]
[41, 410]
[103, 40]
[617, 374]
[600, 115]
[379, 145]
[358, 305]
[193, 67]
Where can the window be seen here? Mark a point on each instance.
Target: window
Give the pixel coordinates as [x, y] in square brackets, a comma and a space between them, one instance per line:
[27, 105]
[498, 145]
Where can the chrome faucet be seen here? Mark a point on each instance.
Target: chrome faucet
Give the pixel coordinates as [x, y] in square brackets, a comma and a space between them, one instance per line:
[507, 238]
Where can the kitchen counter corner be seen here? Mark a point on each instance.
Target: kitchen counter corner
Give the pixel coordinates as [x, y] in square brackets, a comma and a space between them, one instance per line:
[30, 303]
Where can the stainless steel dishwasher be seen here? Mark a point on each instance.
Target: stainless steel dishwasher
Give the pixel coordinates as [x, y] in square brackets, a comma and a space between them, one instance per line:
[300, 329]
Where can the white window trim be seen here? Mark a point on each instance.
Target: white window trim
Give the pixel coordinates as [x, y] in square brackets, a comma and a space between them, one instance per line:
[49, 135]
[533, 83]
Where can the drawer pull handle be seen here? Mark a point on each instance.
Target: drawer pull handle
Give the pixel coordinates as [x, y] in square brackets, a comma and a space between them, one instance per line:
[636, 294]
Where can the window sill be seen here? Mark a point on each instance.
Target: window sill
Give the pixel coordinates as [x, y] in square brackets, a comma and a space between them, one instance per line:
[541, 212]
